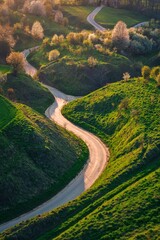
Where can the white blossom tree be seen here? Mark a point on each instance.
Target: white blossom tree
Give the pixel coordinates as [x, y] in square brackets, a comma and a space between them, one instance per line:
[37, 30]
[53, 55]
[120, 36]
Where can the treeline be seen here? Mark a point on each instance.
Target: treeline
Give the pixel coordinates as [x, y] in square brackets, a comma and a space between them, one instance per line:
[148, 7]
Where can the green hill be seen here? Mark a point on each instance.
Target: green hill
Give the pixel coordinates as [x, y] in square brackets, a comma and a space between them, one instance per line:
[27, 91]
[124, 202]
[37, 158]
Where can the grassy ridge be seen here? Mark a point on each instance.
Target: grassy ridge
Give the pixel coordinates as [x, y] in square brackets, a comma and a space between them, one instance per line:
[108, 17]
[37, 159]
[72, 74]
[7, 112]
[124, 202]
[28, 91]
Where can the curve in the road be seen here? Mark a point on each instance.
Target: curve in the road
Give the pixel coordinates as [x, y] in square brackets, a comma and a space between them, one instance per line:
[98, 156]
[91, 18]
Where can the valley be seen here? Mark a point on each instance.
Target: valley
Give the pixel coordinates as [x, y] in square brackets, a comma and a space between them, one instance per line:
[116, 193]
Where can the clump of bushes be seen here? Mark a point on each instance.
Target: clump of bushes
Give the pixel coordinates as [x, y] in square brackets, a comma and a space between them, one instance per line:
[53, 55]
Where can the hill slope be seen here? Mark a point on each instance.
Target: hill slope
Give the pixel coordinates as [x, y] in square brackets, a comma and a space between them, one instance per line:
[37, 158]
[124, 203]
[27, 91]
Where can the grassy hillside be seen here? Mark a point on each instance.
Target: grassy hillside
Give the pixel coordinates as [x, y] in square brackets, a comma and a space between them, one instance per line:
[124, 202]
[27, 91]
[77, 78]
[71, 72]
[108, 17]
[77, 16]
[7, 112]
[37, 158]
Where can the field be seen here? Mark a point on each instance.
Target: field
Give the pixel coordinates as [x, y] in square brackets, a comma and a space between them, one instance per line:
[124, 203]
[37, 159]
[77, 16]
[108, 17]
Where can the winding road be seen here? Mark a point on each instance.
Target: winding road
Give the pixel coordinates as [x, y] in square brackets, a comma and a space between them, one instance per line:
[91, 18]
[98, 152]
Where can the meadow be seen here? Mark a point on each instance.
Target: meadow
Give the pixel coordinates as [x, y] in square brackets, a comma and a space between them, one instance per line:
[108, 17]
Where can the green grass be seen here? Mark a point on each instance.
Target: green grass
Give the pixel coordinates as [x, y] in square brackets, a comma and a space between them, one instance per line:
[108, 17]
[124, 203]
[77, 16]
[7, 112]
[37, 159]
[28, 91]
[77, 78]
[72, 74]
[4, 69]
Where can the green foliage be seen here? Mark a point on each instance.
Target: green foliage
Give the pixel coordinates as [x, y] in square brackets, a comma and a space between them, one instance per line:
[124, 203]
[72, 73]
[37, 159]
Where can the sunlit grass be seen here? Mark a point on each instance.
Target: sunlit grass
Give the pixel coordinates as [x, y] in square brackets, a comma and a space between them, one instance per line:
[108, 17]
[4, 69]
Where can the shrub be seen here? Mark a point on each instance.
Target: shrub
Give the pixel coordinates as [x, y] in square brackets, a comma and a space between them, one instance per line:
[54, 54]
[16, 60]
[146, 72]
[92, 62]
[126, 76]
[58, 18]
[37, 30]
[140, 44]
[75, 38]
[155, 72]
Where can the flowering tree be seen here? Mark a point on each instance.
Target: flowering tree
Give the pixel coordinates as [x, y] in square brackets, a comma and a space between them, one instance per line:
[54, 54]
[37, 8]
[37, 30]
[120, 36]
[16, 60]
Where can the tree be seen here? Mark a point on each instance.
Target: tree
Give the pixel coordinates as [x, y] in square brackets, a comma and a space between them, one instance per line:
[6, 34]
[16, 60]
[126, 76]
[58, 18]
[54, 54]
[146, 72]
[120, 36]
[37, 30]
[37, 8]
[155, 72]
